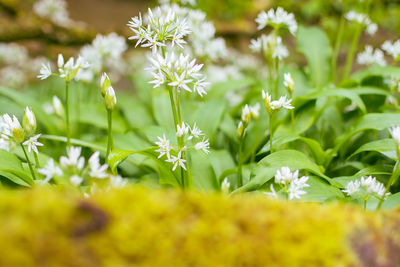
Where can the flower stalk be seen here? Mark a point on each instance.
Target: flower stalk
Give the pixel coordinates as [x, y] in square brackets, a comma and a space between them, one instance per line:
[29, 162]
[67, 121]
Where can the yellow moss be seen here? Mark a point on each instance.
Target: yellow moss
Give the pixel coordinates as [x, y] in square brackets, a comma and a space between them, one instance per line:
[135, 226]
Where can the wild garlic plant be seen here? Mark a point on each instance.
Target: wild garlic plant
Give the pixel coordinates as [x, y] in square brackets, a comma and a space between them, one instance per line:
[248, 112]
[13, 133]
[272, 107]
[289, 184]
[162, 30]
[271, 45]
[67, 71]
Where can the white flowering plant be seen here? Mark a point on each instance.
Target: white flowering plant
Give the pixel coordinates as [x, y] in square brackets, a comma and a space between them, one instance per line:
[175, 105]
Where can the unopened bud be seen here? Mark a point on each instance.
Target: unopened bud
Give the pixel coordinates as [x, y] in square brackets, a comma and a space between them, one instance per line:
[29, 122]
[105, 83]
[110, 98]
[58, 107]
[289, 83]
[240, 130]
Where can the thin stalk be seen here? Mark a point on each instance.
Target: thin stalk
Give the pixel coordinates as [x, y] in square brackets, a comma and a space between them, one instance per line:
[240, 174]
[67, 114]
[276, 78]
[338, 42]
[270, 132]
[292, 119]
[36, 160]
[395, 175]
[365, 204]
[352, 51]
[29, 162]
[110, 143]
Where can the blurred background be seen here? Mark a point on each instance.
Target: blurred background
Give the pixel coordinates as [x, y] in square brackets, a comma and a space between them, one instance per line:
[38, 35]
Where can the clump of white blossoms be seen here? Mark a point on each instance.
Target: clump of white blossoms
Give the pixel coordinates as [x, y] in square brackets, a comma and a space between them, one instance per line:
[180, 72]
[158, 28]
[392, 49]
[276, 105]
[13, 54]
[370, 57]
[365, 188]
[277, 19]
[53, 10]
[193, 139]
[66, 70]
[290, 184]
[270, 45]
[72, 169]
[105, 52]
[362, 19]
[248, 112]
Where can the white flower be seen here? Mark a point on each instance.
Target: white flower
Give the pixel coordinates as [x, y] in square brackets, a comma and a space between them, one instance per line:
[276, 105]
[255, 111]
[288, 82]
[177, 161]
[117, 181]
[31, 117]
[366, 187]
[277, 19]
[362, 19]
[45, 71]
[195, 132]
[73, 158]
[54, 10]
[352, 188]
[270, 44]
[32, 143]
[203, 145]
[392, 49]
[199, 86]
[181, 82]
[272, 193]
[164, 146]
[76, 180]
[70, 69]
[296, 187]
[96, 169]
[285, 176]
[50, 171]
[246, 114]
[225, 186]
[395, 133]
[370, 56]
[158, 79]
[182, 130]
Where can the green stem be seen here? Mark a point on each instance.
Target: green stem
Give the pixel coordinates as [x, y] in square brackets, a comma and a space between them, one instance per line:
[270, 132]
[240, 173]
[392, 179]
[29, 162]
[110, 143]
[338, 42]
[365, 204]
[36, 160]
[276, 78]
[352, 51]
[67, 114]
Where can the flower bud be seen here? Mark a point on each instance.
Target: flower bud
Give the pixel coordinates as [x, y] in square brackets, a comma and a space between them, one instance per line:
[246, 115]
[267, 102]
[289, 83]
[17, 131]
[110, 98]
[60, 61]
[240, 130]
[58, 107]
[225, 186]
[105, 83]
[29, 122]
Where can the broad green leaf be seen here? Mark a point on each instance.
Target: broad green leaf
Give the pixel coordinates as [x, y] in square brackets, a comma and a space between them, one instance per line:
[268, 166]
[116, 157]
[376, 70]
[96, 115]
[135, 112]
[203, 174]
[162, 110]
[315, 45]
[219, 89]
[321, 191]
[391, 202]
[385, 146]
[11, 164]
[14, 178]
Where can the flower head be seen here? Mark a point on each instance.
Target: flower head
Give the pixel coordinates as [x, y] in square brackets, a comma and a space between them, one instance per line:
[164, 146]
[33, 143]
[177, 160]
[73, 158]
[50, 171]
[370, 56]
[96, 169]
[288, 83]
[45, 71]
[277, 19]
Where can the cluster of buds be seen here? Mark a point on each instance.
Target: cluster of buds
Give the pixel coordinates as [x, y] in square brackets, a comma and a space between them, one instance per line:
[289, 183]
[365, 188]
[72, 168]
[274, 106]
[158, 28]
[12, 131]
[66, 70]
[107, 91]
[248, 112]
[193, 139]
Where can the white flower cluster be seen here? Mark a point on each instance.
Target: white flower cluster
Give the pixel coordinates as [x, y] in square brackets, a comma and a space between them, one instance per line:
[276, 105]
[53, 10]
[290, 183]
[370, 57]
[248, 112]
[68, 71]
[362, 19]
[105, 52]
[366, 187]
[270, 44]
[11, 131]
[159, 28]
[72, 167]
[277, 19]
[392, 49]
[13, 54]
[189, 134]
[178, 71]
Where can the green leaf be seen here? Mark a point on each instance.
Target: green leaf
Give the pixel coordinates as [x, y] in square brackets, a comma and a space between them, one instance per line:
[391, 202]
[203, 174]
[321, 191]
[162, 110]
[268, 166]
[385, 146]
[96, 115]
[376, 70]
[315, 45]
[11, 164]
[116, 157]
